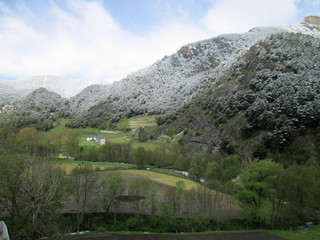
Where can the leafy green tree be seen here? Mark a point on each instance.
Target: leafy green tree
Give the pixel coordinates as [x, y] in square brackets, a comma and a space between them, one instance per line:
[158, 157]
[231, 167]
[196, 170]
[213, 174]
[142, 135]
[256, 189]
[124, 124]
[70, 141]
[29, 138]
[65, 140]
[226, 145]
[171, 132]
[182, 163]
[140, 157]
[173, 196]
[297, 193]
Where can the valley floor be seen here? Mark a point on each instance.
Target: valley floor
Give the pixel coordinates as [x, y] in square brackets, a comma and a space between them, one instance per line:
[211, 236]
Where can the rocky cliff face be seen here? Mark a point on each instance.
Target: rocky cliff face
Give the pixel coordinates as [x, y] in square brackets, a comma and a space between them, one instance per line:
[315, 20]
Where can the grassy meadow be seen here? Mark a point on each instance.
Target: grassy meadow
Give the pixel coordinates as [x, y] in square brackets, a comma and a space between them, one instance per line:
[142, 121]
[161, 178]
[123, 137]
[313, 233]
[68, 165]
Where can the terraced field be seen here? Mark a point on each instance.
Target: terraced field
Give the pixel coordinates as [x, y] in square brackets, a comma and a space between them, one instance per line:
[142, 121]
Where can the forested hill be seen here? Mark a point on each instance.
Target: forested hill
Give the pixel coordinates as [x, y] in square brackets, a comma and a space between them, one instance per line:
[268, 102]
[167, 84]
[41, 109]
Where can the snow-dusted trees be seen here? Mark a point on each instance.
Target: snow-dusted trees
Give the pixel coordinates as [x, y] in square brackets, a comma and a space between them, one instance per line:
[278, 88]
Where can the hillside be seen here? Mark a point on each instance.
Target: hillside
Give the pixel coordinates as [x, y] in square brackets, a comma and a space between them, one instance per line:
[169, 83]
[14, 90]
[268, 101]
[41, 108]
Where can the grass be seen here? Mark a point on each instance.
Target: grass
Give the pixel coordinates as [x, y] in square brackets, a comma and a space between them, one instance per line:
[119, 137]
[112, 136]
[313, 233]
[168, 172]
[89, 144]
[153, 145]
[146, 145]
[142, 121]
[90, 132]
[161, 178]
[62, 125]
[68, 165]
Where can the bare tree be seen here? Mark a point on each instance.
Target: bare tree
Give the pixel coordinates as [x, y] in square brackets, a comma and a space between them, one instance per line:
[113, 185]
[44, 188]
[140, 188]
[84, 186]
[12, 168]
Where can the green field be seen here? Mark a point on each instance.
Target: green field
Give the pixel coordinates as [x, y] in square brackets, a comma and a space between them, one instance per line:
[122, 137]
[142, 121]
[68, 165]
[111, 136]
[313, 233]
[161, 178]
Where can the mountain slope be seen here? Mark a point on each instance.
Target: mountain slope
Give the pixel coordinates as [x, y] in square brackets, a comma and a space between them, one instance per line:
[13, 90]
[170, 82]
[265, 102]
[173, 81]
[41, 108]
[10, 94]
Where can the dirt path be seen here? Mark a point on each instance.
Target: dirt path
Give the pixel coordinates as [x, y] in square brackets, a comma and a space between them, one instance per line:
[212, 236]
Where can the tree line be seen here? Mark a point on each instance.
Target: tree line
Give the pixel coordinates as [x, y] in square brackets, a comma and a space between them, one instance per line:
[268, 192]
[35, 190]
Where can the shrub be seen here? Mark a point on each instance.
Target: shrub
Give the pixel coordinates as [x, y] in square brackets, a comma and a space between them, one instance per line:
[131, 223]
[101, 229]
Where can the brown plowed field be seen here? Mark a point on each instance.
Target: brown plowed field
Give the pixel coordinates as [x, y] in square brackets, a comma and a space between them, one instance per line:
[212, 236]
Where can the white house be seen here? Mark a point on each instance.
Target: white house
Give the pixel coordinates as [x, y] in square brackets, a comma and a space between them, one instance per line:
[99, 139]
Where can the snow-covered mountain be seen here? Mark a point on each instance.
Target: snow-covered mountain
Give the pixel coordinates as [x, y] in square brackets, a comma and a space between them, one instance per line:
[12, 90]
[169, 83]
[173, 81]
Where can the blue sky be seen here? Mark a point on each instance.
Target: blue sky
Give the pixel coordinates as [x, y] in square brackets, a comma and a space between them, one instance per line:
[108, 39]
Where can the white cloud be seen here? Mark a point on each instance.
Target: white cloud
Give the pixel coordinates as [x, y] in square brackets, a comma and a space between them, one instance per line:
[83, 40]
[228, 16]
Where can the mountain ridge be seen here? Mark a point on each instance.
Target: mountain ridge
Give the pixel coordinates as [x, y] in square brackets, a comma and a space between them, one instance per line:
[267, 102]
[172, 81]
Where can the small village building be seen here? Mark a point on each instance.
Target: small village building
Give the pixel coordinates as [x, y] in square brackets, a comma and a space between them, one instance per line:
[134, 131]
[99, 139]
